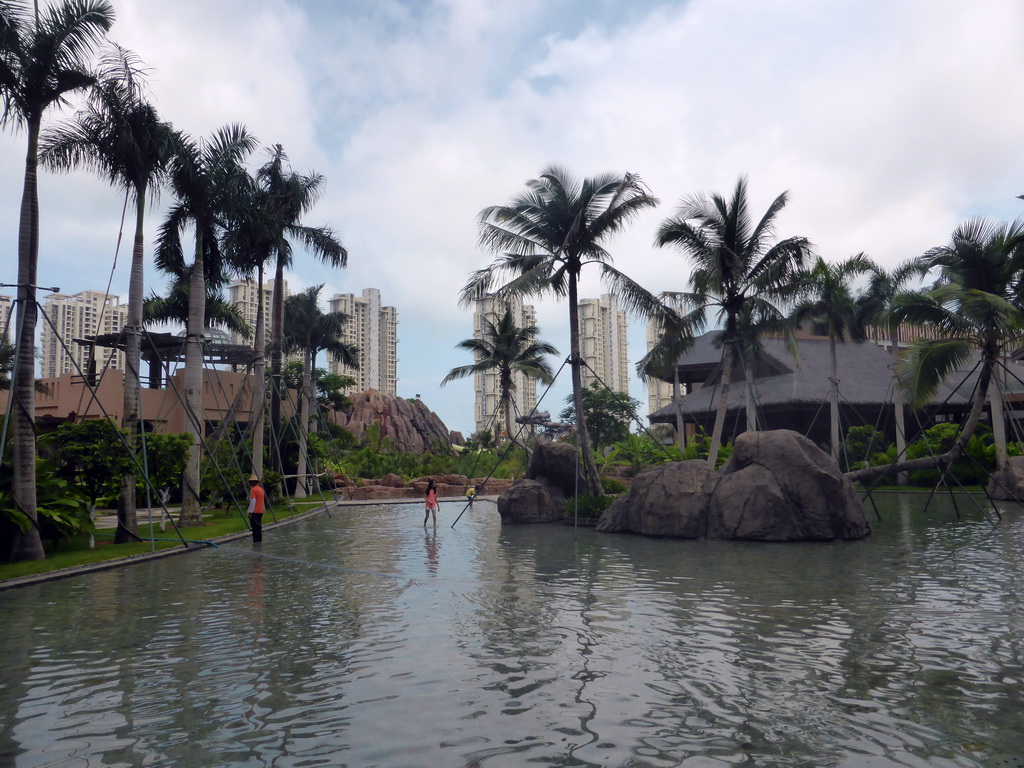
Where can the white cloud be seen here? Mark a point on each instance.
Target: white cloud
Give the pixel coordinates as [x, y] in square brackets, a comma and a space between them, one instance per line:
[888, 122]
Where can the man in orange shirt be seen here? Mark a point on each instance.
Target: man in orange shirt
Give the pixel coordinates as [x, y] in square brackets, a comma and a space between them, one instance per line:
[256, 504]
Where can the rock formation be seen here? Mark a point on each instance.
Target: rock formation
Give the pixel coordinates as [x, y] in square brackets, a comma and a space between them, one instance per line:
[413, 426]
[551, 478]
[1007, 484]
[668, 500]
[778, 486]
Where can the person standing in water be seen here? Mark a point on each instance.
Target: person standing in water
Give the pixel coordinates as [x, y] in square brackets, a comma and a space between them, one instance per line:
[430, 503]
[257, 500]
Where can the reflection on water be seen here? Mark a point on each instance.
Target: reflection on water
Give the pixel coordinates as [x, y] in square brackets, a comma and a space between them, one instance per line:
[365, 640]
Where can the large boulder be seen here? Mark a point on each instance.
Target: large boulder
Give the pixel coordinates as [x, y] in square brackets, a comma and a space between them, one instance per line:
[1007, 484]
[668, 500]
[557, 466]
[528, 502]
[413, 426]
[779, 486]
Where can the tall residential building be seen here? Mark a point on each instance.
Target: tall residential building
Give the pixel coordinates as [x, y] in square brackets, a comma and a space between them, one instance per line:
[8, 319]
[245, 296]
[603, 343]
[486, 385]
[374, 330]
[76, 316]
[659, 393]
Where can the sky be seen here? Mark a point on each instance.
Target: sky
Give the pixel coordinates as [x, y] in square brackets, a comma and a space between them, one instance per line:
[889, 122]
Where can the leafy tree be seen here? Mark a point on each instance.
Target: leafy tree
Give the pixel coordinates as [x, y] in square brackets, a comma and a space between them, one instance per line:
[737, 268]
[44, 58]
[506, 349]
[826, 299]
[608, 414]
[95, 456]
[166, 455]
[119, 136]
[205, 178]
[544, 237]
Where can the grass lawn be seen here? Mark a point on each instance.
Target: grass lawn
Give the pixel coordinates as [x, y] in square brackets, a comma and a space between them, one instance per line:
[75, 552]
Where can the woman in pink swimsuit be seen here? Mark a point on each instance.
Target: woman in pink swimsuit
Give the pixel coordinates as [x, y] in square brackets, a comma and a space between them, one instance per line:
[431, 503]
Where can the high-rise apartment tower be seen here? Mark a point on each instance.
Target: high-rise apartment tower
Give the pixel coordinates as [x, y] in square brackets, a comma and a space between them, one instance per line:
[245, 296]
[77, 316]
[374, 330]
[603, 343]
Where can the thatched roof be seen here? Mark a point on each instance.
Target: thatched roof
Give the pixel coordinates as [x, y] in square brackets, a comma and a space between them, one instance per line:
[864, 369]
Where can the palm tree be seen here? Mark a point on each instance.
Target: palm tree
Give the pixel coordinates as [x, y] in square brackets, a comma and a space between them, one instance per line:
[248, 246]
[43, 59]
[977, 308]
[755, 321]
[309, 330]
[288, 197]
[884, 286]
[825, 297]
[507, 350]
[173, 308]
[737, 268]
[119, 136]
[205, 178]
[544, 237]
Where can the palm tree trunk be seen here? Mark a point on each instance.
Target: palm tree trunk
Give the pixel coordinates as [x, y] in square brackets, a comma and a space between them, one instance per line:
[725, 381]
[593, 478]
[834, 396]
[127, 522]
[276, 341]
[27, 545]
[301, 479]
[998, 420]
[259, 395]
[748, 378]
[195, 417]
[901, 415]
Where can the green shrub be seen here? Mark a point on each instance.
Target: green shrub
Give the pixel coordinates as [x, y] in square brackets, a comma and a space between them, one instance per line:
[613, 487]
[587, 506]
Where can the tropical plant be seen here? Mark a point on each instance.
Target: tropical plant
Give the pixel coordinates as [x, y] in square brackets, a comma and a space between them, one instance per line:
[287, 197]
[172, 309]
[976, 308]
[505, 349]
[737, 268]
[545, 237]
[310, 331]
[119, 136]
[63, 509]
[207, 181]
[44, 58]
[861, 444]
[826, 299]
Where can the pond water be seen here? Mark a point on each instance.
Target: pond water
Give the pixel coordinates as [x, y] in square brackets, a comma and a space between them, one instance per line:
[362, 639]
